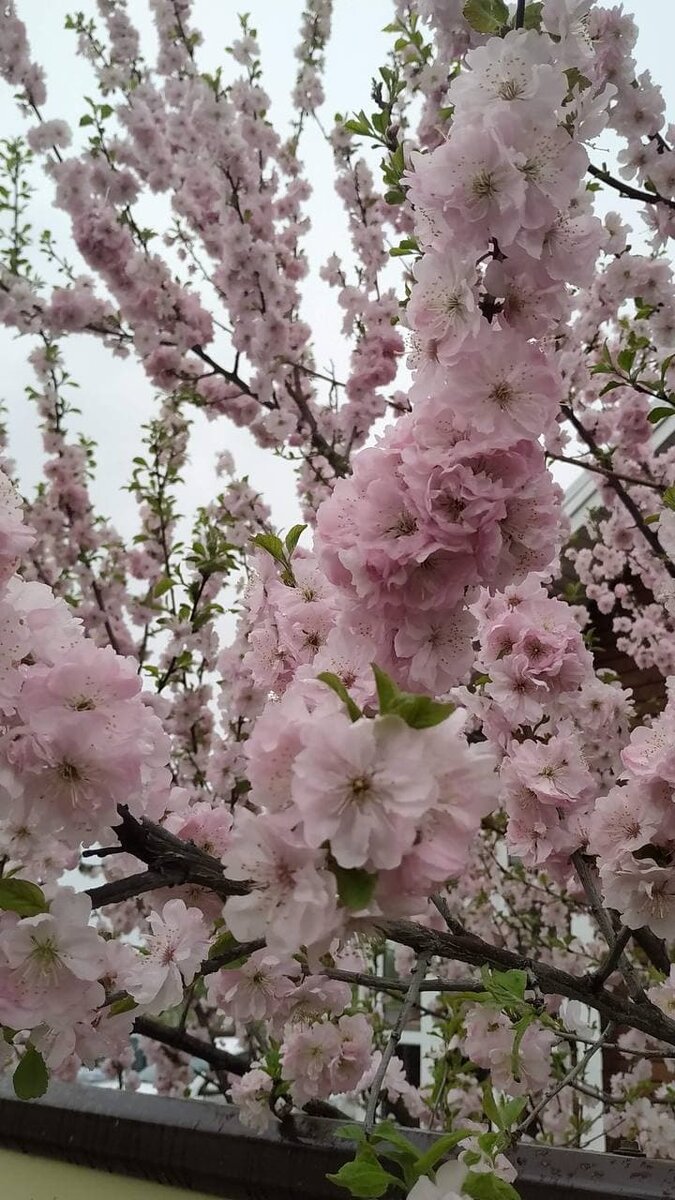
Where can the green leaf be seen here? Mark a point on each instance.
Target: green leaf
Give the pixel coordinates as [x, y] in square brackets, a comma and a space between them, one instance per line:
[659, 414]
[505, 987]
[340, 690]
[520, 1030]
[386, 1131]
[420, 712]
[293, 537]
[511, 1110]
[86, 120]
[609, 387]
[124, 1004]
[483, 1186]
[486, 16]
[443, 1146]
[355, 886]
[533, 16]
[162, 586]
[668, 497]
[625, 359]
[364, 1176]
[353, 1132]
[272, 544]
[387, 691]
[490, 1106]
[22, 897]
[31, 1077]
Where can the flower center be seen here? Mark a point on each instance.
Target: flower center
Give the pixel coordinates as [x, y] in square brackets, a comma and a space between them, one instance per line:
[360, 786]
[483, 185]
[503, 394]
[68, 771]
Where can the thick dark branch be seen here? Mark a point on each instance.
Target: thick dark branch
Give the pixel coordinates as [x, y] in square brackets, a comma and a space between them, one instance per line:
[625, 497]
[171, 861]
[613, 959]
[520, 14]
[550, 980]
[241, 950]
[654, 948]
[132, 885]
[624, 189]
[586, 870]
[178, 1039]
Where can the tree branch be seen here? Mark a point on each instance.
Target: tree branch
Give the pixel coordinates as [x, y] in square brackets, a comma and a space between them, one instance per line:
[394, 1038]
[625, 497]
[606, 471]
[614, 957]
[383, 984]
[178, 1039]
[172, 863]
[626, 190]
[571, 1075]
[551, 981]
[586, 872]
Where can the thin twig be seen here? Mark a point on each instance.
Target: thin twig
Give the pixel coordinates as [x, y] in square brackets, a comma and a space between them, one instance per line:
[394, 1038]
[383, 984]
[625, 497]
[571, 1075]
[606, 471]
[656, 1055]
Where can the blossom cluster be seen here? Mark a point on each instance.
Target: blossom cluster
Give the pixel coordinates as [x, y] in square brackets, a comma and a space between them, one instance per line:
[326, 801]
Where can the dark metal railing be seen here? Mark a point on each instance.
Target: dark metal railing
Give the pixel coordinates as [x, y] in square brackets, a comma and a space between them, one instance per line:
[201, 1146]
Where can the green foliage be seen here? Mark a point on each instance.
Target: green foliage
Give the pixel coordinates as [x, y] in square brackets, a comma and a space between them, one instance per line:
[355, 886]
[124, 1004]
[15, 193]
[659, 414]
[481, 1185]
[281, 552]
[420, 712]
[162, 586]
[443, 1146]
[520, 1029]
[505, 988]
[533, 16]
[486, 16]
[31, 1077]
[22, 897]
[389, 1143]
[365, 1176]
[405, 246]
[502, 1112]
[334, 682]
[293, 537]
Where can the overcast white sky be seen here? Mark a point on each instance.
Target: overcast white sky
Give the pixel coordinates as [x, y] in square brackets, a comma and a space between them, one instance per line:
[114, 395]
